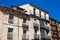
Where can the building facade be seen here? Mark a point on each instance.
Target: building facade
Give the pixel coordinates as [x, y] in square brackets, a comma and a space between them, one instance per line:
[27, 22]
[17, 25]
[54, 29]
[58, 23]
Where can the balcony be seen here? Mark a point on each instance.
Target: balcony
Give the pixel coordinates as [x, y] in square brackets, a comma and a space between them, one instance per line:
[35, 24]
[25, 24]
[36, 36]
[25, 37]
[47, 28]
[42, 27]
[45, 37]
[10, 21]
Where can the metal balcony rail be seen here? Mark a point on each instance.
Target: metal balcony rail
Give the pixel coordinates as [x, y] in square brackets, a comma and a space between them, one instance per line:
[43, 36]
[25, 24]
[43, 27]
[46, 37]
[10, 21]
[25, 37]
[36, 36]
[35, 24]
[47, 27]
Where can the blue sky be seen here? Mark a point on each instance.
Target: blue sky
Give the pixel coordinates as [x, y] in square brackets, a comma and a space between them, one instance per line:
[51, 6]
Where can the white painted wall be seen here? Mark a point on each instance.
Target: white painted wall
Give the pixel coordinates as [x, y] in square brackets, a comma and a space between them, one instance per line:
[29, 9]
[26, 7]
[37, 13]
[42, 15]
[47, 17]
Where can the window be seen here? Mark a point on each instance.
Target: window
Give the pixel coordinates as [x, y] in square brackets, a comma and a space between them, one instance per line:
[41, 23]
[40, 13]
[35, 29]
[10, 33]
[11, 18]
[34, 11]
[24, 31]
[45, 15]
[24, 34]
[42, 32]
[24, 20]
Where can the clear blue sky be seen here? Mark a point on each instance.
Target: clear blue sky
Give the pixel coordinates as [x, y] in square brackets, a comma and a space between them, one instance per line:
[52, 6]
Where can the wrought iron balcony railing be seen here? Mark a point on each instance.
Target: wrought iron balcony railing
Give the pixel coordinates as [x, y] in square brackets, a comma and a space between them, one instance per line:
[10, 20]
[25, 37]
[46, 37]
[43, 27]
[35, 24]
[43, 36]
[36, 36]
[25, 24]
[47, 28]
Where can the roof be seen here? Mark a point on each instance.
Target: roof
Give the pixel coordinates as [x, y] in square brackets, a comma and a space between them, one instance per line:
[58, 22]
[52, 19]
[6, 9]
[35, 7]
[17, 7]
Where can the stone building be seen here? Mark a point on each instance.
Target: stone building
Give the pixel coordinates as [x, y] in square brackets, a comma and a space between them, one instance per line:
[27, 22]
[54, 29]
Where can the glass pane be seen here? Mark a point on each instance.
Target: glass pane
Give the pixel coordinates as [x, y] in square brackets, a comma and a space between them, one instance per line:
[42, 32]
[24, 20]
[24, 31]
[41, 23]
[10, 29]
[10, 34]
[11, 16]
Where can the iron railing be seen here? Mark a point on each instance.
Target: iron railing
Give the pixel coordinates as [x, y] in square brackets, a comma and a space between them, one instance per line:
[25, 37]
